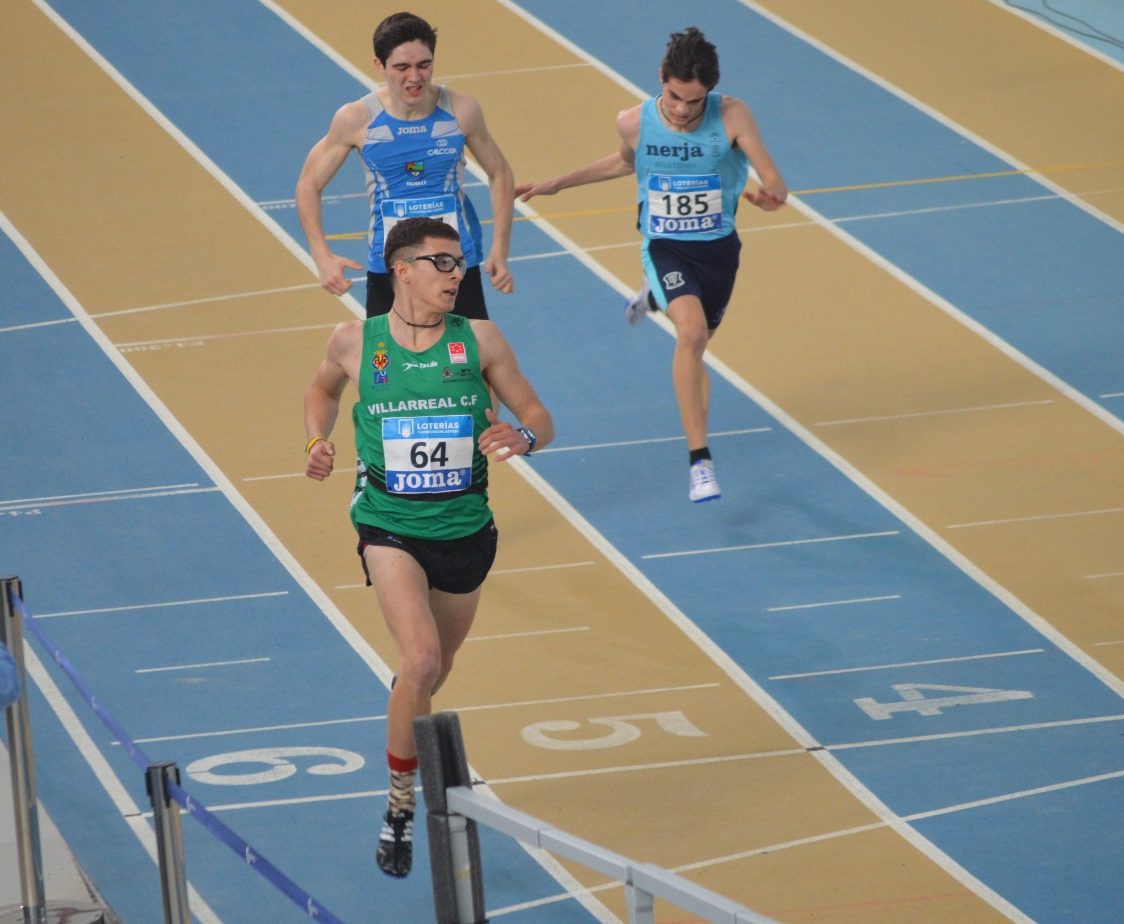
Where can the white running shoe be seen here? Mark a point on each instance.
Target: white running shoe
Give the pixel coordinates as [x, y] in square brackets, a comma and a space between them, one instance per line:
[704, 485]
[638, 305]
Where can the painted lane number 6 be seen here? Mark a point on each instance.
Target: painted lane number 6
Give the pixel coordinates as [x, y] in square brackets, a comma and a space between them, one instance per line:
[277, 762]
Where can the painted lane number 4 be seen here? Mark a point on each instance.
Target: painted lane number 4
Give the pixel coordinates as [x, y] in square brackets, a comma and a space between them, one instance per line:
[621, 731]
[913, 699]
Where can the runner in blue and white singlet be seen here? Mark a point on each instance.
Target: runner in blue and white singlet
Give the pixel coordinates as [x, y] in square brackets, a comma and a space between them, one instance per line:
[411, 136]
[415, 169]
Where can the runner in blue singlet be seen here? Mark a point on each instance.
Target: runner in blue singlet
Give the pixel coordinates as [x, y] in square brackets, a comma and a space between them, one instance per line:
[691, 149]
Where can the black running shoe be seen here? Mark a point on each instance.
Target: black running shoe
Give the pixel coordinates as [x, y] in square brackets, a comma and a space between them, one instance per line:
[396, 844]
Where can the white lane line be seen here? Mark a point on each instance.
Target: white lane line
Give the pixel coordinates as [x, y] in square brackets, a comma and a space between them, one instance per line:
[975, 733]
[814, 606]
[116, 790]
[1108, 574]
[885, 667]
[155, 606]
[478, 708]
[541, 69]
[519, 704]
[1040, 516]
[255, 730]
[939, 413]
[137, 495]
[572, 564]
[933, 113]
[192, 667]
[1040, 19]
[550, 449]
[492, 638]
[275, 477]
[298, 800]
[773, 545]
[34, 324]
[203, 338]
[1101, 644]
[206, 300]
[646, 442]
[58, 497]
[1112, 394]
[770, 849]
[903, 821]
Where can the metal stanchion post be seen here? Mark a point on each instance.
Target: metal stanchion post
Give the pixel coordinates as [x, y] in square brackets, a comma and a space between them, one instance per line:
[25, 801]
[454, 845]
[24, 798]
[169, 842]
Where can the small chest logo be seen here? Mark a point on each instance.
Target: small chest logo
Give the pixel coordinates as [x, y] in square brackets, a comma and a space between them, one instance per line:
[415, 167]
[457, 352]
[380, 361]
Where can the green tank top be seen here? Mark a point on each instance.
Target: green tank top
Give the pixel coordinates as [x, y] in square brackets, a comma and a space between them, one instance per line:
[418, 422]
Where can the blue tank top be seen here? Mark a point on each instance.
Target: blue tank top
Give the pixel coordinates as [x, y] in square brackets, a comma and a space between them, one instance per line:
[415, 169]
[688, 183]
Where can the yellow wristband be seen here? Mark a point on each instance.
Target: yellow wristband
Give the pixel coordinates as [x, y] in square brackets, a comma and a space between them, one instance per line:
[312, 442]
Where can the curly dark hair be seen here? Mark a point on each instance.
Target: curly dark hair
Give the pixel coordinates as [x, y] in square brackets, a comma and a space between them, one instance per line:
[690, 56]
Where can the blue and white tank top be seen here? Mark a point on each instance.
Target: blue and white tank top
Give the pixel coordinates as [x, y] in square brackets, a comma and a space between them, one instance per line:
[688, 183]
[415, 169]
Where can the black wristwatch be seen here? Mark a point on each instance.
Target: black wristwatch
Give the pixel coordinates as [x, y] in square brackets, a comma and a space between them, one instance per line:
[529, 436]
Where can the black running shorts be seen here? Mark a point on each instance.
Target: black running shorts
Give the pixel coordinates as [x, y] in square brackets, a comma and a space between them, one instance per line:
[455, 566]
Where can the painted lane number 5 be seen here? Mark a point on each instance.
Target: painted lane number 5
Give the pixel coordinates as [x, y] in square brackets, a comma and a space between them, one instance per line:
[621, 731]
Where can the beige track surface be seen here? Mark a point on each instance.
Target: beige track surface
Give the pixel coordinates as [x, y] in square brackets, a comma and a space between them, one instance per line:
[142, 224]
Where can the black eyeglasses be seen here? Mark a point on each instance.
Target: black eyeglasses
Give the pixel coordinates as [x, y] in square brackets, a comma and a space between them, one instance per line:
[445, 262]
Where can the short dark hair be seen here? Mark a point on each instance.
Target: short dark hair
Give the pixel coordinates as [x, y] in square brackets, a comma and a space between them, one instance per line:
[690, 56]
[410, 233]
[400, 28]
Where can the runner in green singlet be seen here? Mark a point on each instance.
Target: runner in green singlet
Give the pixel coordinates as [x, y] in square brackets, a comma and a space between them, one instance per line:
[425, 429]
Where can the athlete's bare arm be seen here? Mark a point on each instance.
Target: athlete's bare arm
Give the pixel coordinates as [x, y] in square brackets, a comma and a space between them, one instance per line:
[503, 375]
[323, 163]
[322, 397]
[501, 184]
[620, 163]
[741, 128]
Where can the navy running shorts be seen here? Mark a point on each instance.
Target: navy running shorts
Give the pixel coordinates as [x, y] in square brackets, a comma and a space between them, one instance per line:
[705, 269]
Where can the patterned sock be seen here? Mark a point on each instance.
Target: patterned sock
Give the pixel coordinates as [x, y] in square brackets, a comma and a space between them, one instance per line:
[403, 773]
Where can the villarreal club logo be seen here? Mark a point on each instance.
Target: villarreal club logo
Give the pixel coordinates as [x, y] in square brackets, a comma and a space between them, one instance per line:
[380, 361]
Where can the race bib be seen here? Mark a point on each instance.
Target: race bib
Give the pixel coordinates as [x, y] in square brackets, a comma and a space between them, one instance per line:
[684, 204]
[427, 455]
[443, 208]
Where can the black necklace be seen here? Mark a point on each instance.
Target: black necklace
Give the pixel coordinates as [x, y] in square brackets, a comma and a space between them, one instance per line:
[436, 323]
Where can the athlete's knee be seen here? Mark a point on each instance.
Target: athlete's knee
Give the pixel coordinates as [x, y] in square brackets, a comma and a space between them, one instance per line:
[692, 334]
[421, 667]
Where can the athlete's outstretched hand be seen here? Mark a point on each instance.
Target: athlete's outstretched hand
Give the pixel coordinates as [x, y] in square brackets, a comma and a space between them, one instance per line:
[764, 199]
[527, 191]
